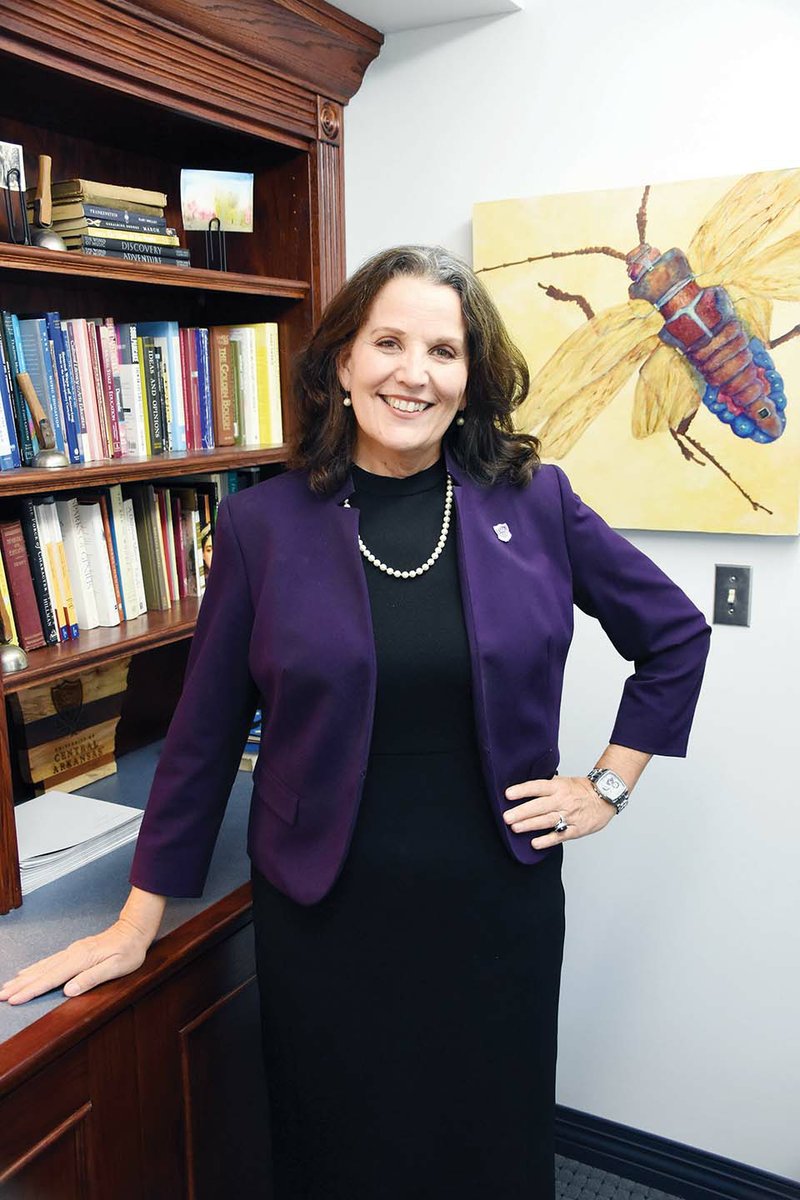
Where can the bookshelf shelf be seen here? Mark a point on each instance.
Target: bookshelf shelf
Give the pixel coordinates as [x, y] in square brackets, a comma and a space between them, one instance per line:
[97, 646]
[84, 266]
[126, 470]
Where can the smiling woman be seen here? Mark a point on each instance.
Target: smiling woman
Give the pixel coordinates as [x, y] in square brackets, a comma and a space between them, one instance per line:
[400, 605]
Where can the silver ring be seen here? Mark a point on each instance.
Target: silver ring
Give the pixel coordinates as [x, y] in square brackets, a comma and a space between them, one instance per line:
[561, 826]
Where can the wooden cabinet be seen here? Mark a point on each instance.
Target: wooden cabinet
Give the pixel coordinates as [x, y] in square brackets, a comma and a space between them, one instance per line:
[150, 1086]
[132, 92]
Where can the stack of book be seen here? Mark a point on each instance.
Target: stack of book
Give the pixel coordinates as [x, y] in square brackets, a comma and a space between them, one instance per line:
[110, 221]
[74, 562]
[135, 389]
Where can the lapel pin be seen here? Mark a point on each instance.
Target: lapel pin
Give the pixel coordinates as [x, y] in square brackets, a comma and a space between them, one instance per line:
[502, 531]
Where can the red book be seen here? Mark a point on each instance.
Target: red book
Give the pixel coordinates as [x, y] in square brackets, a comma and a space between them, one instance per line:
[20, 585]
[191, 392]
[106, 353]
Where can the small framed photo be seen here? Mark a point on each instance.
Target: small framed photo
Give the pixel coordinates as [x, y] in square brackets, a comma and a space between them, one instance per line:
[11, 160]
[224, 196]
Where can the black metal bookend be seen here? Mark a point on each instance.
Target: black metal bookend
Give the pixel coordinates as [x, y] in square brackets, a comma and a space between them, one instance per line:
[216, 253]
[19, 236]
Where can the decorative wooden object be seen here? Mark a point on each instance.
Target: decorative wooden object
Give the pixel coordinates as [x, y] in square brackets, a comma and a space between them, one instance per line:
[65, 730]
[130, 91]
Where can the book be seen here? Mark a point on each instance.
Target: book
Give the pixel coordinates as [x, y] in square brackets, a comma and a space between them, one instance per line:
[202, 348]
[66, 385]
[222, 398]
[80, 571]
[56, 567]
[157, 255]
[89, 191]
[135, 555]
[9, 444]
[125, 224]
[35, 343]
[148, 531]
[131, 386]
[275, 406]
[20, 584]
[124, 239]
[11, 628]
[125, 553]
[152, 385]
[91, 518]
[13, 354]
[245, 337]
[36, 561]
[68, 210]
[57, 599]
[166, 336]
[112, 392]
[86, 389]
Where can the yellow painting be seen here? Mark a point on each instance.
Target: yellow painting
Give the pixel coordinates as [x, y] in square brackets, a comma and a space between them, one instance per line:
[661, 325]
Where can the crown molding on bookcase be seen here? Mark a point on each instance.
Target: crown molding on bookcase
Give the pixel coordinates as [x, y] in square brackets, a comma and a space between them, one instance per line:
[657, 1162]
[278, 33]
[146, 51]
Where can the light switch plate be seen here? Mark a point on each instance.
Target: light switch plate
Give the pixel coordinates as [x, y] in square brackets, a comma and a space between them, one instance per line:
[732, 595]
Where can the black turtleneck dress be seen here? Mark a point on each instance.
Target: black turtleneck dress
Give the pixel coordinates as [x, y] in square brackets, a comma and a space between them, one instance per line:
[410, 1016]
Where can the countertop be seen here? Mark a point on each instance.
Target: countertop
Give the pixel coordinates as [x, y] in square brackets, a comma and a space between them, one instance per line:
[89, 899]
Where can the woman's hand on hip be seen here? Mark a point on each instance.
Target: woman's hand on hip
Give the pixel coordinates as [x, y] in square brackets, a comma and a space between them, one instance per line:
[538, 805]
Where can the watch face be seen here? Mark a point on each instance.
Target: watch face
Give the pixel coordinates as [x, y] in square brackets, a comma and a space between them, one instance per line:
[611, 786]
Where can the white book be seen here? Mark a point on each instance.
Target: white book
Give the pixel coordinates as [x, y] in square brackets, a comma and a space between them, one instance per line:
[244, 336]
[80, 571]
[46, 541]
[274, 372]
[91, 518]
[126, 555]
[131, 384]
[140, 600]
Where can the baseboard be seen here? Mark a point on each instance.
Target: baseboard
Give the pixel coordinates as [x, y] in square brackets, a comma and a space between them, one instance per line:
[659, 1163]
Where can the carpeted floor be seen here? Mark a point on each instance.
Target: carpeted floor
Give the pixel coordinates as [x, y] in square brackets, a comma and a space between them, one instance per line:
[574, 1181]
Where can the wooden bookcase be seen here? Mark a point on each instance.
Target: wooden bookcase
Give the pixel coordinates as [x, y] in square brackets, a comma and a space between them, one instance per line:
[131, 92]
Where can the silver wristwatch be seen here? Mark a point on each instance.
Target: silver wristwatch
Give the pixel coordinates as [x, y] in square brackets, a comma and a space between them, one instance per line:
[609, 785]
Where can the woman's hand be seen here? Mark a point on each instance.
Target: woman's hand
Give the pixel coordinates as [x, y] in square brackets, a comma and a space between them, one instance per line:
[84, 964]
[538, 804]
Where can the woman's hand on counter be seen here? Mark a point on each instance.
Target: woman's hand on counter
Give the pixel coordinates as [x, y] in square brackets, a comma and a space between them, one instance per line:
[82, 965]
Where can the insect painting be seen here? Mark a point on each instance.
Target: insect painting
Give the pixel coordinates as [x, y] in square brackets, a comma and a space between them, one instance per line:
[687, 338]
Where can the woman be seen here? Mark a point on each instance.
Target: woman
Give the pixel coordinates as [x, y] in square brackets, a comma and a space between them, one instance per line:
[401, 607]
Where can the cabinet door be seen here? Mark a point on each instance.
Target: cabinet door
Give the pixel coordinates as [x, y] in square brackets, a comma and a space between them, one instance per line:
[203, 1098]
[70, 1132]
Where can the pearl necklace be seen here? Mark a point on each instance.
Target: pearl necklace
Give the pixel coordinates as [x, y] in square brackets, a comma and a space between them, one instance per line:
[426, 566]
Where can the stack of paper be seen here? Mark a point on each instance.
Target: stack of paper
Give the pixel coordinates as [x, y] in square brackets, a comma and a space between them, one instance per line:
[61, 831]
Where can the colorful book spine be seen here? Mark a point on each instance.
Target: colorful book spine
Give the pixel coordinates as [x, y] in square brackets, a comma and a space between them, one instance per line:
[66, 386]
[131, 384]
[157, 255]
[9, 445]
[20, 583]
[36, 561]
[27, 445]
[77, 391]
[35, 348]
[118, 218]
[204, 389]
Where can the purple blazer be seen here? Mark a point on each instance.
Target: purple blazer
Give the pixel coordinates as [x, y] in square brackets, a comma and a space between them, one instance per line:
[285, 621]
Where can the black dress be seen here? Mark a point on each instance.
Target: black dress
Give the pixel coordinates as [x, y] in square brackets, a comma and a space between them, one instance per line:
[410, 1017]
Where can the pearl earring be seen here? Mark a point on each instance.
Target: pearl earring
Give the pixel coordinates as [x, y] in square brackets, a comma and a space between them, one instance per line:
[347, 401]
[459, 420]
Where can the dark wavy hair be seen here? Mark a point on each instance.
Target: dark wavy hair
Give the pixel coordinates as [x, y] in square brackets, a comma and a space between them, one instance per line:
[487, 447]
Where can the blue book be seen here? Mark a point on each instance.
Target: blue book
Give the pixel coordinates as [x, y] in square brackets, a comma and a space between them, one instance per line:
[9, 446]
[36, 349]
[66, 386]
[166, 337]
[204, 389]
[16, 366]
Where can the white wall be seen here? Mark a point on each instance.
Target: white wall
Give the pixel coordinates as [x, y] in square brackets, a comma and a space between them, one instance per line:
[680, 1010]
